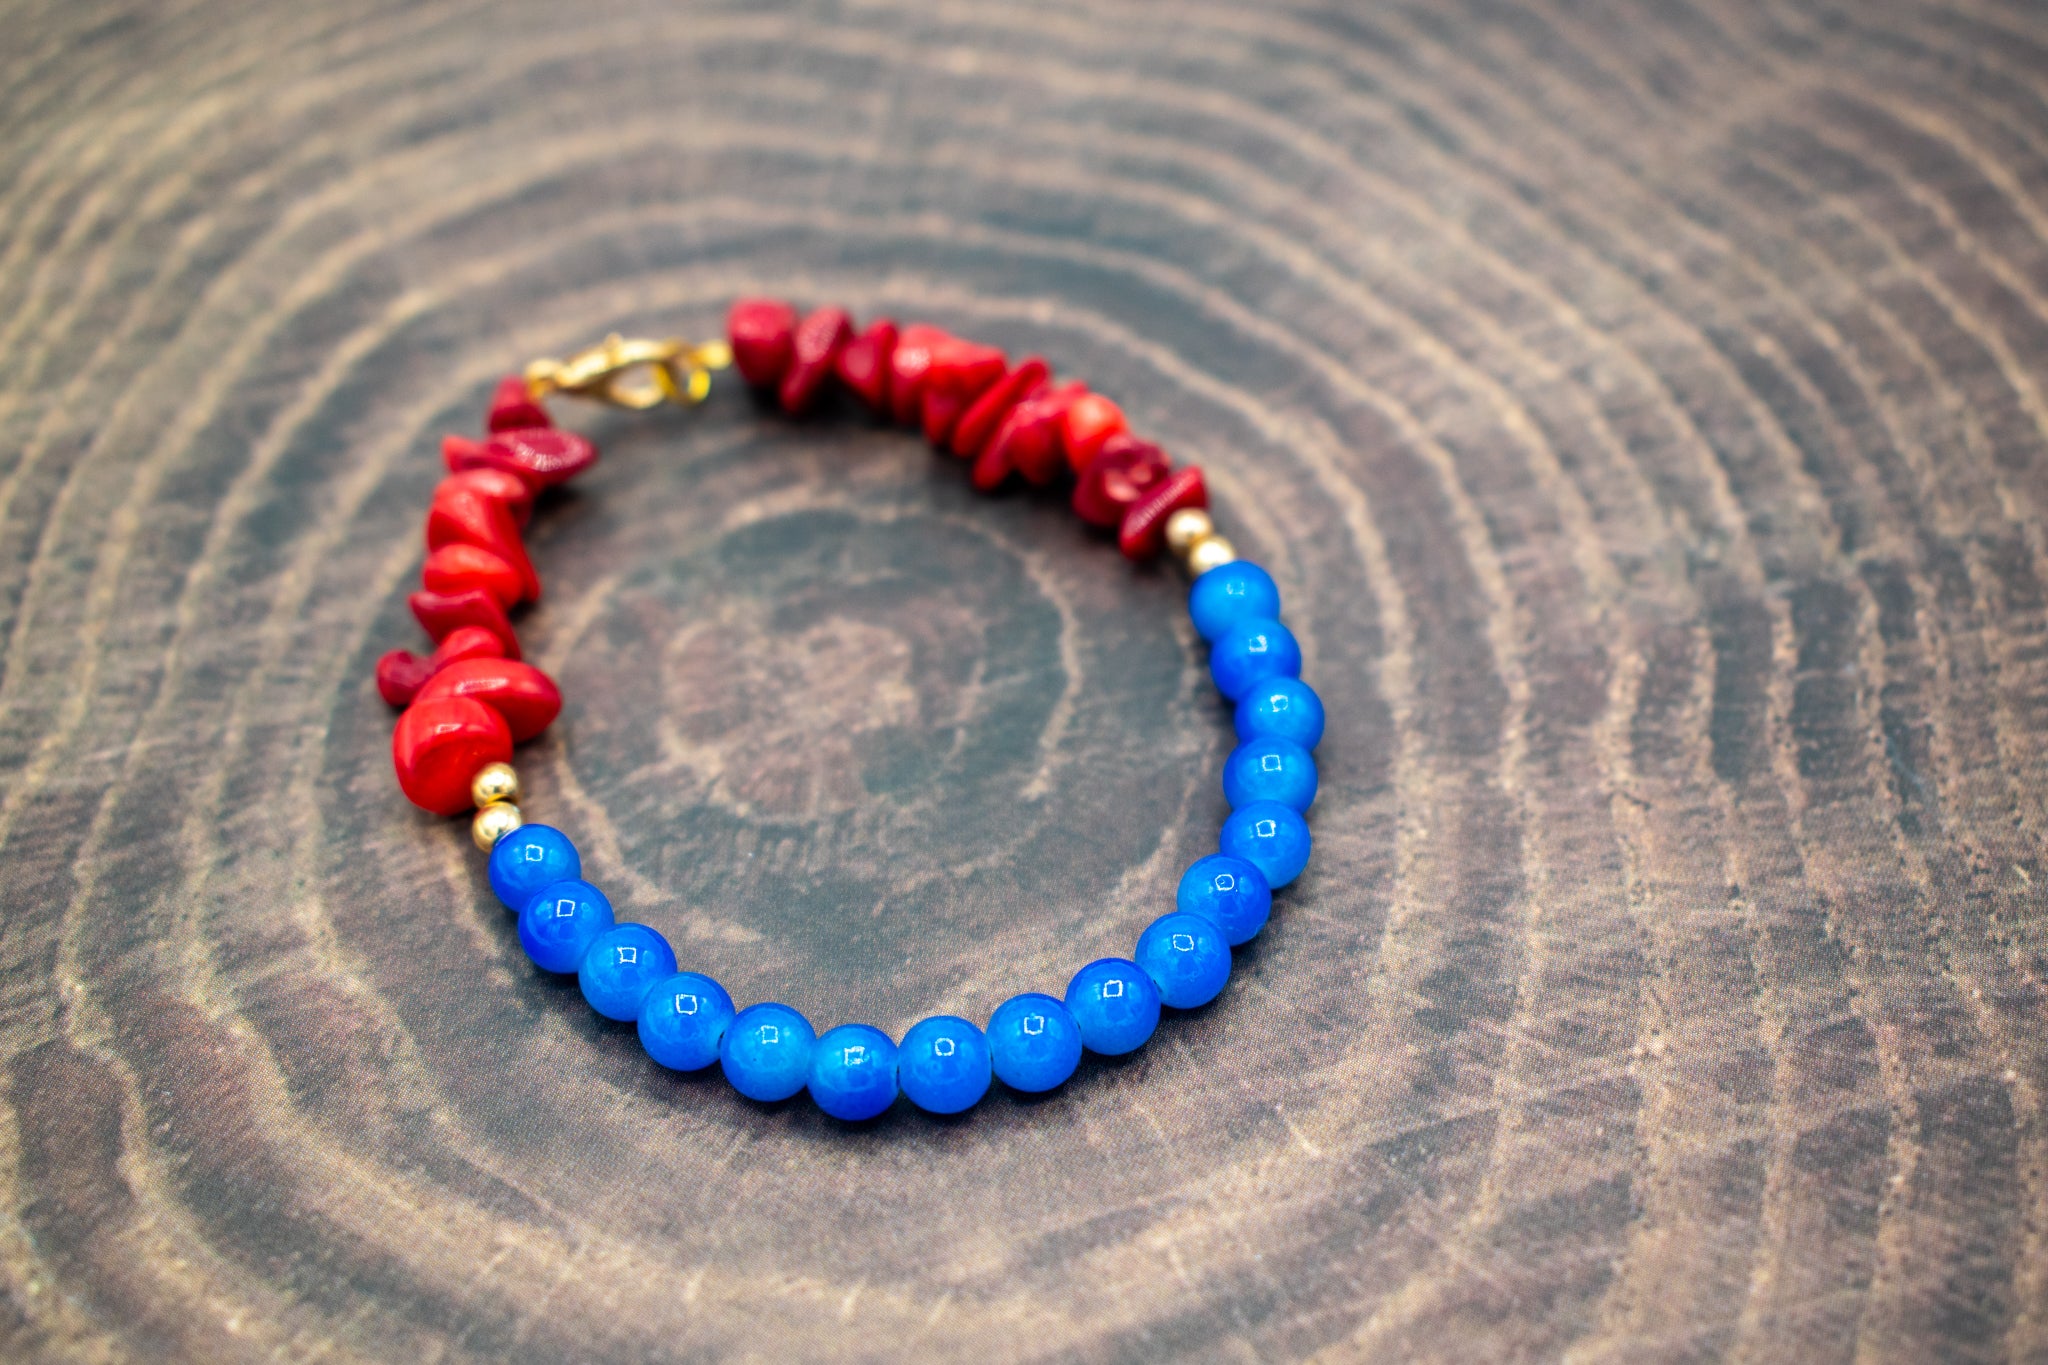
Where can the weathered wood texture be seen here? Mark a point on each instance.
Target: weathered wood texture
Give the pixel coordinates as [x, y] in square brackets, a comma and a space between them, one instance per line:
[1643, 403]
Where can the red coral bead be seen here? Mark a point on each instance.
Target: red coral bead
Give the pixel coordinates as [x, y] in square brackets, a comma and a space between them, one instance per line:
[909, 366]
[459, 515]
[961, 372]
[400, 675]
[1087, 425]
[455, 567]
[1028, 440]
[763, 337]
[466, 642]
[971, 434]
[437, 747]
[496, 484]
[863, 365]
[526, 697]
[819, 340]
[1120, 475]
[513, 406]
[442, 614]
[1143, 533]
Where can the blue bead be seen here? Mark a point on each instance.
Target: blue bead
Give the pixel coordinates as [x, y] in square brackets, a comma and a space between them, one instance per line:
[1228, 892]
[1115, 1004]
[1186, 957]
[943, 1065]
[1252, 652]
[1271, 837]
[1230, 593]
[767, 1052]
[1033, 1042]
[1270, 770]
[529, 858]
[853, 1072]
[620, 966]
[1285, 708]
[683, 1020]
[560, 923]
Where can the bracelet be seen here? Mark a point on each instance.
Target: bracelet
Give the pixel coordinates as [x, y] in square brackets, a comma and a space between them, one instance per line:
[467, 704]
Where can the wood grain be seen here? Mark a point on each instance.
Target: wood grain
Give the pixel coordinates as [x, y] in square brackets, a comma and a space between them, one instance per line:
[1643, 404]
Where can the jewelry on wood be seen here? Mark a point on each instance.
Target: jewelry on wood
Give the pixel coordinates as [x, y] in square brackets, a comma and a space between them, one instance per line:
[466, 705]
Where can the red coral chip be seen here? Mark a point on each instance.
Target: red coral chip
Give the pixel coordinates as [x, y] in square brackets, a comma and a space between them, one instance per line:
[513, 407]
[909, 366]
[455, 567]
[1087, 426]
[400, 675]
[819, 340]
[459, 515]
[1143, 533]
[437, 747]
[763, 337]
[442, 614]
[496, 484]
[978, 424]
[863, 365]
[526, 697]
[961, 372]
[466, 642]
[1120, 475]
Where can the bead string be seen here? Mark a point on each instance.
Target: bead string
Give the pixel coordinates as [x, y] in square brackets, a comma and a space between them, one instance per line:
[466, 705]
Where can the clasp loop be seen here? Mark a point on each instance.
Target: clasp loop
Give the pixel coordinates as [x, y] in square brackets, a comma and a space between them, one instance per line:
[633, 372]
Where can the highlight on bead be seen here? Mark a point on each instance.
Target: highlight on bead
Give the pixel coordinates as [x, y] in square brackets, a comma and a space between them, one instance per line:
[1011, 424]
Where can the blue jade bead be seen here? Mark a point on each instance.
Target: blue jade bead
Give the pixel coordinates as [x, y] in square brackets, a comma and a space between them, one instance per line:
[529, 858]
[1282, 708]
[1033, 1042]
[767, 1051]
[853, 1072]
[1115, 1004]
[560, 923]
[620, 966]
[1228, 892]
[943, 1065]
[1186, 957]
[1253, 651]
[683, 1020]
[1270, 770]
[1271, 837]
[1230, 593]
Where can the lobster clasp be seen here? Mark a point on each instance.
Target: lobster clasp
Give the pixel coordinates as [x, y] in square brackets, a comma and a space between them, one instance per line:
[633, 372]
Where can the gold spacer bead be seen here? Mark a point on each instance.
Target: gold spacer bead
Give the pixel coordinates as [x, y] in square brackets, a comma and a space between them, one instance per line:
[493, 822]
[494, 782]
[1185, 527]
[1210, 552]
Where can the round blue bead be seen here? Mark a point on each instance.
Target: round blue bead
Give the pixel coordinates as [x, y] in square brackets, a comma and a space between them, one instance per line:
[1285, 708]
[853, 1072]
[1271, 837]
[529, 858]
[1115, 1004]
[620, 966]
[1033, 1042]
[560, 923]
[1253, 651]
[1229, 593]
[683, 1020]
[767, 1051]
[1186, 957]
[1228, 892]
[1269, 770]
[943, 1065]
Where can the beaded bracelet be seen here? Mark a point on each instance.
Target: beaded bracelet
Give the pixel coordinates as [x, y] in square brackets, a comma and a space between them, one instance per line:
[472, 699]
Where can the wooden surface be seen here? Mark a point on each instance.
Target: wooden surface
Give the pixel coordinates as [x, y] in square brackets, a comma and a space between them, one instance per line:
[1642, 403]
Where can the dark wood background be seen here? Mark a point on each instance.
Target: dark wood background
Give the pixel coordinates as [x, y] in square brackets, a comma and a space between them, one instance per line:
[1643, 404]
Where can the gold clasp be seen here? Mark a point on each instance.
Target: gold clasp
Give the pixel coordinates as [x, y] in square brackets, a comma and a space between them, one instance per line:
[633, 373]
